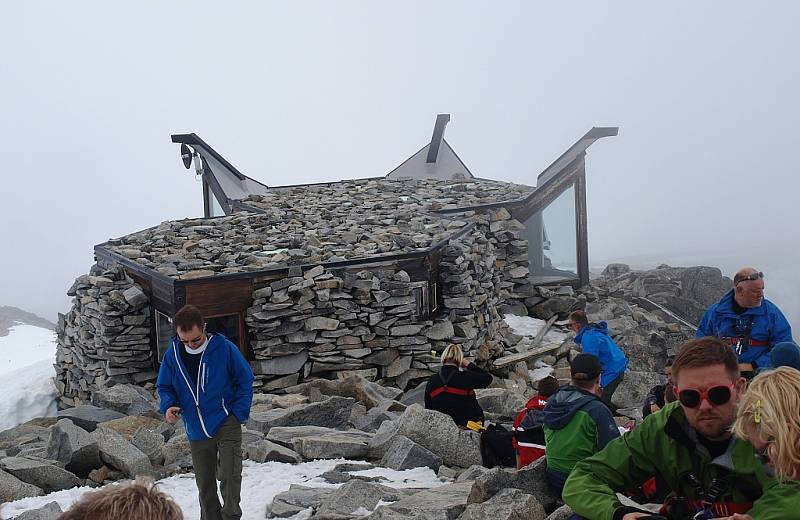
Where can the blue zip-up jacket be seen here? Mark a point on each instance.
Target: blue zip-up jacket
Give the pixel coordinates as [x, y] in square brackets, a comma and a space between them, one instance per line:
[224, 386]
[594, 340]
[769, 325]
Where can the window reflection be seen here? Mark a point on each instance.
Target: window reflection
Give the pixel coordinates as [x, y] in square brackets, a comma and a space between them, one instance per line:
[164, 333]
[552, 243]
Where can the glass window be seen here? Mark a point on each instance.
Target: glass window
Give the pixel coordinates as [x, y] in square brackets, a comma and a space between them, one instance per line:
[164, 333]
[552, 240]
[216, 208]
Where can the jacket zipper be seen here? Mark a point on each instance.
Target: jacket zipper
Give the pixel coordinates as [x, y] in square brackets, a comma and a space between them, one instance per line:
[202, 377]
[195, 395]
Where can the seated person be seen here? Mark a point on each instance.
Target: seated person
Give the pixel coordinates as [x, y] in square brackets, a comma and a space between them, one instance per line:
[769, 417]
[786, 354]
[451, 391]
[528, 433]
[577, 424]
[689, 444]
[658, 396]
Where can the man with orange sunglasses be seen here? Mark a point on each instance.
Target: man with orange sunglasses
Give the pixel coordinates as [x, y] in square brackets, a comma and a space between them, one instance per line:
[708, 472]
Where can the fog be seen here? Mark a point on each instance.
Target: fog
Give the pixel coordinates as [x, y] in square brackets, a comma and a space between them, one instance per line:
[705, 95]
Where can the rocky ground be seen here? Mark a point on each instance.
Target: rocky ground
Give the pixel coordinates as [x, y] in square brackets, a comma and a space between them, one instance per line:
[121, 435]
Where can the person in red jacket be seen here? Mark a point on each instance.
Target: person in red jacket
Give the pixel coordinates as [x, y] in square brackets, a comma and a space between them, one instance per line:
[528, 437]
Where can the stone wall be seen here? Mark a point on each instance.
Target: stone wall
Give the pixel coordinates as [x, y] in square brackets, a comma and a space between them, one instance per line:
[318, 323]
[323, 323]
[105, 337]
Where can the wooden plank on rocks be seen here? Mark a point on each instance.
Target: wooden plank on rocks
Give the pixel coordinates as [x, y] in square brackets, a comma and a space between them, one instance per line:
[515, 358]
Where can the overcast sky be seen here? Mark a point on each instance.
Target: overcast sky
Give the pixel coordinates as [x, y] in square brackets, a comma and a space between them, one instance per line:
[705, 95]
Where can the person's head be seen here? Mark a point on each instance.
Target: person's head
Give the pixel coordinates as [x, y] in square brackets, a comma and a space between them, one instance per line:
[748, 284]
[190, 326]
[707, 383]
[578, 320]
[140, 500]
[547, 386]
[452, 355]
[668, 369]
[769, 417]
[786, 354]
[585, 372]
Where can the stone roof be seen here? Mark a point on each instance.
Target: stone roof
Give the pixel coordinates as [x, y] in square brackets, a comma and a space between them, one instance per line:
[411, 194]
[314, 224]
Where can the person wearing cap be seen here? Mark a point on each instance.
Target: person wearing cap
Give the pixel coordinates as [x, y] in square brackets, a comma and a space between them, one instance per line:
[748, 322]
[594, 339]
[577, 424]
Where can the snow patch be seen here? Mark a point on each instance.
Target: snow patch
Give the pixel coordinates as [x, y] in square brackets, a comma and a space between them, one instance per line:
[529, 327]
[25, 345]
[28, 393]
[260, 483]
[27, 354]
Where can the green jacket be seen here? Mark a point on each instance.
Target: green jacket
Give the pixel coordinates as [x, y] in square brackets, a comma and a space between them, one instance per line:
[577, 424]
[664, 445]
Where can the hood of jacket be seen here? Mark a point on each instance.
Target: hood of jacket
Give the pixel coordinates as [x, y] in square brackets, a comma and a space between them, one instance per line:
[600, 326]
[564, 404]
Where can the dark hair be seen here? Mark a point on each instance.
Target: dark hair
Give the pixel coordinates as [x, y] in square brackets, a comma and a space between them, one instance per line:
[705, 352]
[188, 317]
[547, 386]
[669, 362]
[586, 384]
[579, 317]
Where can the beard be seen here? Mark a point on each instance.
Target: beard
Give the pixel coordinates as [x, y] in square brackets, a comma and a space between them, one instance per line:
[712, 427]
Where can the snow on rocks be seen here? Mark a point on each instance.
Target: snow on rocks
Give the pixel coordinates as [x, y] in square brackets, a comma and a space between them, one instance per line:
[261, 483]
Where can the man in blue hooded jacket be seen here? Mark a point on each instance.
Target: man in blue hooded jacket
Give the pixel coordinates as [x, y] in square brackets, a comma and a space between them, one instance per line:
[748, 322]
[595, 340]
[205, 380]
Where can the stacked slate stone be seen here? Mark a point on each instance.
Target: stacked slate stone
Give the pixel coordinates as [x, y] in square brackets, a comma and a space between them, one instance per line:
[511, 253]
[321, 323]
[412, 194]
[286, 231]
[470, 282]
[105, 337]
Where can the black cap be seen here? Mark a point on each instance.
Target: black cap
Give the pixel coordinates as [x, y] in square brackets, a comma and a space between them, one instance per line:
[585, 367]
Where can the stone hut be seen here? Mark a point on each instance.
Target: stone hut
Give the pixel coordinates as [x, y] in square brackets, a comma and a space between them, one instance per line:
[369, 276]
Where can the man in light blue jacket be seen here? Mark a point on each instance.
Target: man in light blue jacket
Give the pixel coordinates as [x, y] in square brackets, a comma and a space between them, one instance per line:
[595, 340]
[206, 381]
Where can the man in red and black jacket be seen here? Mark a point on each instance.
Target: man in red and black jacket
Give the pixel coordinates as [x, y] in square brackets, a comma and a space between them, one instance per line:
[528, 437]
[452, 390]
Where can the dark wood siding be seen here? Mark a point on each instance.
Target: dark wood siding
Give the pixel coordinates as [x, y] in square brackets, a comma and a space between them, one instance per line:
[219, 299]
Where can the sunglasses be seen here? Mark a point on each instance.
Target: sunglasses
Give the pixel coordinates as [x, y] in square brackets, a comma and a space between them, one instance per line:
[716, 395]
[755, 276]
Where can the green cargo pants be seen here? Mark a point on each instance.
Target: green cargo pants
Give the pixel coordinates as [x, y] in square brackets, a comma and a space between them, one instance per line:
[219, 458]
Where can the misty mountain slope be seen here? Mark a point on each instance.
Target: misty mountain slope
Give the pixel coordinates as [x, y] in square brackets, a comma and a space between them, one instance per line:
[9, 316]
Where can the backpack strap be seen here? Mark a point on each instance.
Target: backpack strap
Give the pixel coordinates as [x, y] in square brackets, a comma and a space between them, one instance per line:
[446, 389]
